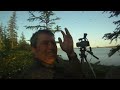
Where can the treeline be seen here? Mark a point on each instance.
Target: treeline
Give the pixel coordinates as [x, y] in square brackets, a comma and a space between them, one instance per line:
[9, 38]
[15, 55]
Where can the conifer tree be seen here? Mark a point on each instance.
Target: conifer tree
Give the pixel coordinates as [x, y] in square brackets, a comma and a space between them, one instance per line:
[45, 19]
[115, 35]
[12, 34]
[1, 36]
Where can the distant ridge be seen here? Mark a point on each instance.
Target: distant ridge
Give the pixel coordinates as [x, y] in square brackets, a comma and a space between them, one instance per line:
[105, 47]
[95, 47]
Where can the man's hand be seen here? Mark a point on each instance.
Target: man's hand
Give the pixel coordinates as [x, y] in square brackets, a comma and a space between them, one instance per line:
[67, 44]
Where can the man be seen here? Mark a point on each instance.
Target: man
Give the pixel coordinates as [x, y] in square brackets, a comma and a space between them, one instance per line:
[47, 64]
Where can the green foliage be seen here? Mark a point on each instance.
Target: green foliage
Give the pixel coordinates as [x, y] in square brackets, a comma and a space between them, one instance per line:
[23, 45]
[116, 32]
[4, 40]
[12, 34]
[1, 36]
[115, 35]
[45, 19]
[13, 62]
[15, 57]
[114, 13]
[114, 50]
[112, 36]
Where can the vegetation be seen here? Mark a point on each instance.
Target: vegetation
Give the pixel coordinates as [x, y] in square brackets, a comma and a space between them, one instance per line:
[16, 56]
[45, 20]
[13, 62]
[115, 34]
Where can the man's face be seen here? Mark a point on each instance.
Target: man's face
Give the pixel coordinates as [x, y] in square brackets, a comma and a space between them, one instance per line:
[46, 49]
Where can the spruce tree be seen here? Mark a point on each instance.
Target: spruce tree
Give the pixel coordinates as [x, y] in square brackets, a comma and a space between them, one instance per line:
[12, 34]
[45, 19]
[115, 35]
[1, 36]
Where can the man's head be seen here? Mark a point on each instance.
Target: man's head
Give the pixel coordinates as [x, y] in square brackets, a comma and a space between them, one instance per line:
[44, 46]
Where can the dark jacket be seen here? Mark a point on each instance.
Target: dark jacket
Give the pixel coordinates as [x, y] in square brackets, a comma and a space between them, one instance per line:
[62, 69]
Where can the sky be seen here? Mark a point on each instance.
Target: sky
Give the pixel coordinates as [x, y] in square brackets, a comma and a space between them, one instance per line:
[94, 23]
